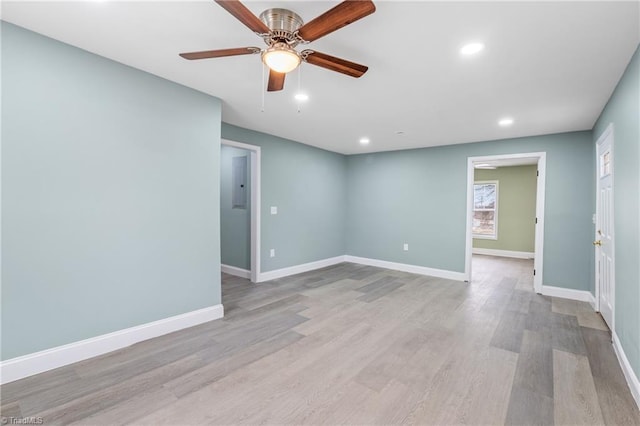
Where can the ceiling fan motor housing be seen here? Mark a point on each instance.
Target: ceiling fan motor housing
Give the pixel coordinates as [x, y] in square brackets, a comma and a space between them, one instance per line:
[283, 24]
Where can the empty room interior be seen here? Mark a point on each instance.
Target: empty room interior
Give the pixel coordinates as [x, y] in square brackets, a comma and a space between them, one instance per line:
[320, 212]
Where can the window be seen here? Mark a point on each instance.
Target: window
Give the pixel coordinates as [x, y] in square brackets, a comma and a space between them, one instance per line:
[485, 210]
[605, 164]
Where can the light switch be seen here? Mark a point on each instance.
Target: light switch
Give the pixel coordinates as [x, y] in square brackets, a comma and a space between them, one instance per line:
[272, 252]
[274, 210]
[405, 247]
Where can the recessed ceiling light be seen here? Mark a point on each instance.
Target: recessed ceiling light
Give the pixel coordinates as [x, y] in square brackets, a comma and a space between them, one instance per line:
[505, 122]
[484, 166]
[471, 49]
[364, 141]
[301, 97]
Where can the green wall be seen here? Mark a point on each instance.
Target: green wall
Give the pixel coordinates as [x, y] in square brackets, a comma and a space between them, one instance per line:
[516, 208]
[307, 185]
[623, 110]
[110, 205]
[235, 224]
[419, 197]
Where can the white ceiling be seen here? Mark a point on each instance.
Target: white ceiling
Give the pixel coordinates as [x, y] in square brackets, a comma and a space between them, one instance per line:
[550, 65]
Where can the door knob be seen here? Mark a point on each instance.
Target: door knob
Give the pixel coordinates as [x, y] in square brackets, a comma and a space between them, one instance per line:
[597, 243]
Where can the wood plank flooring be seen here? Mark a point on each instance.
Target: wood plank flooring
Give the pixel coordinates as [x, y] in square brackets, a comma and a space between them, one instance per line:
[352, 344]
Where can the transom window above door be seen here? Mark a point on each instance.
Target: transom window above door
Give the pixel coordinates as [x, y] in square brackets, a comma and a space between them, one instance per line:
[485, 210]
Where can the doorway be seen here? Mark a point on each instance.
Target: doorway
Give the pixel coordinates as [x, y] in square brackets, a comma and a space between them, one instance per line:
[604, 236]
[242, 179]
[491, 188]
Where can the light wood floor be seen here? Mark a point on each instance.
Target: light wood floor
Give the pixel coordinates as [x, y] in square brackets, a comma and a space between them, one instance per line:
[353, 344]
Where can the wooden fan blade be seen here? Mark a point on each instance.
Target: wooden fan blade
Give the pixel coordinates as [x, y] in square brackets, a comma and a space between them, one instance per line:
[276, 81]
[244, 15]
[334, 64]
[341, 15]
[220, 53]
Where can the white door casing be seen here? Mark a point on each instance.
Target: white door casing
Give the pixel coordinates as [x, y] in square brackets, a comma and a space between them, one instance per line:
[541, 160]
[604, 236]
[256, 188]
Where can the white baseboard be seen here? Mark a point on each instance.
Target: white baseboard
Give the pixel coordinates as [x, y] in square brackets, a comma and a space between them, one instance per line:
[414, 269]
[504, 253]
[235, 271]
[306, 267]
[592, 302]
[38, 362]
[298, 269]
[567, 293]
[632, 379]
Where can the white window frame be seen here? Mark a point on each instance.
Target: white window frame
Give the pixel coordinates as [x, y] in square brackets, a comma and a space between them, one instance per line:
[495, 210]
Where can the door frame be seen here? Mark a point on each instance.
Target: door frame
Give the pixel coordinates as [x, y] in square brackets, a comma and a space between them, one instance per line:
[256, 179]
[609, 131]
[541, 158]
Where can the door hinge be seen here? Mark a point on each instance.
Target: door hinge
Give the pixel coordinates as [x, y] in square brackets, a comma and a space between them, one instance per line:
[538, 173]
[534, 272]
[536, 220]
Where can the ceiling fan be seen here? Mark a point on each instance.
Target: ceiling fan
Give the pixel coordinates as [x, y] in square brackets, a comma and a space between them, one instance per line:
[282, 30]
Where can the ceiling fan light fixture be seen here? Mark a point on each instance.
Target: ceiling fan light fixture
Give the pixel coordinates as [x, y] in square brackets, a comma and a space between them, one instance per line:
[281, 58]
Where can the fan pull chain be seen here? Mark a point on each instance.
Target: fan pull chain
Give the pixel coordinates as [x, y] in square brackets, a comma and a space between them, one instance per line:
[262, 87]
[299, 78]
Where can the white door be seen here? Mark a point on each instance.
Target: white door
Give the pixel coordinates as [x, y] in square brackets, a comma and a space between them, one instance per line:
[604, 241]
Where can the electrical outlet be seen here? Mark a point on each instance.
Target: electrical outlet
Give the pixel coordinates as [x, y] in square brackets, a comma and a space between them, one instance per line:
[274, 210]
[405, 247]
[272, 252]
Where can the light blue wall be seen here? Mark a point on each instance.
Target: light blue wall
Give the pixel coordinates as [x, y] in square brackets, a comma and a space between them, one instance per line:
[419, 197]
[623, 110]
[235, 224]
[307, 185]
[109, 194]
